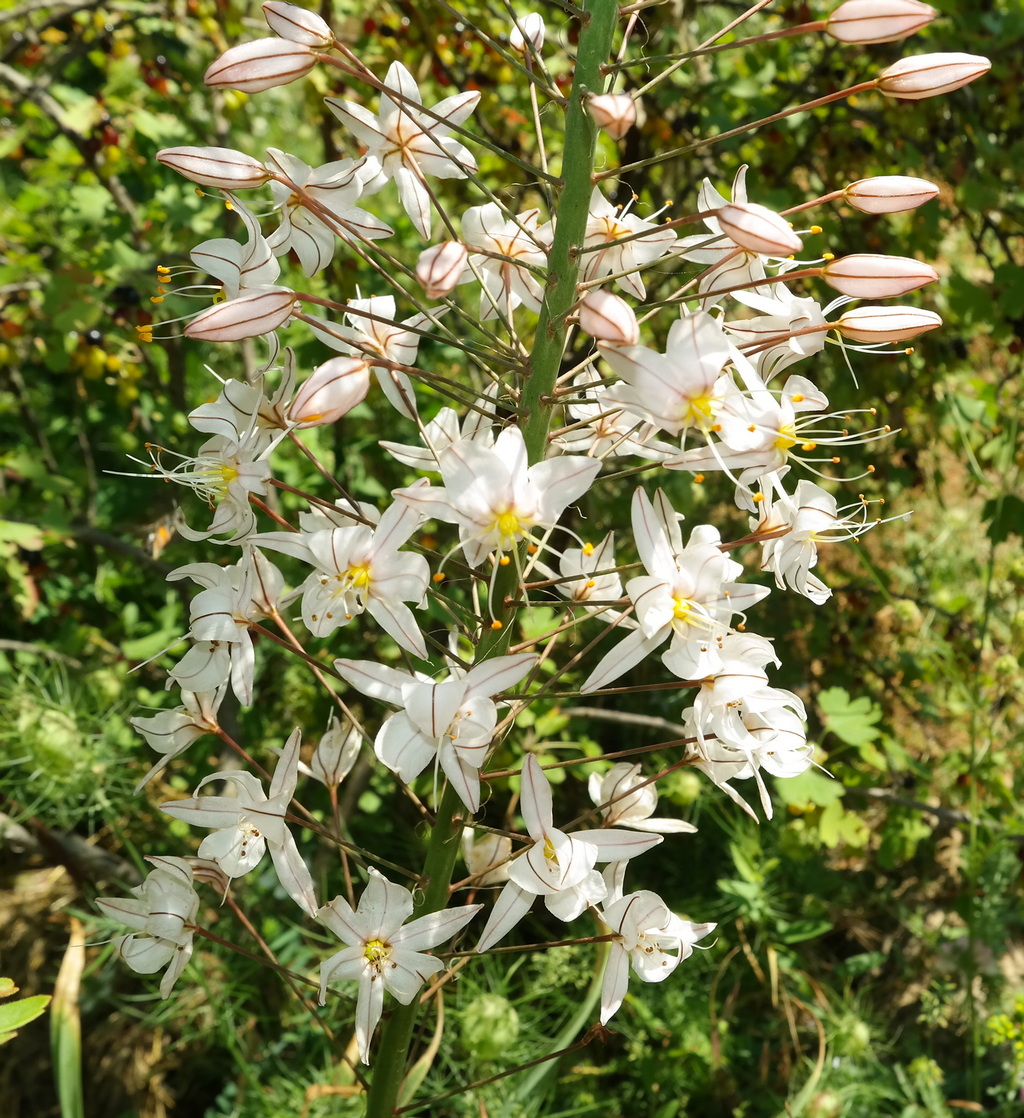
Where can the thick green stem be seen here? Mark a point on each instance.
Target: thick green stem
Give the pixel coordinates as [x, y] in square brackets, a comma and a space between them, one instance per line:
[570, 226]
[596, 32]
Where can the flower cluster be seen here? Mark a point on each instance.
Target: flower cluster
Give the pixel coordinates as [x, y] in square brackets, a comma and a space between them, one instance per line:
[509, 459]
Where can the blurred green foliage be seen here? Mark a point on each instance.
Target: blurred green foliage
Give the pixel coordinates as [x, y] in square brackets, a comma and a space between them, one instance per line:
[866, 934]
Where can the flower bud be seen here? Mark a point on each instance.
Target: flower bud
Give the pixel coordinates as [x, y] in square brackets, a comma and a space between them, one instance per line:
[758, 229]
[878, 21]
[336, 754]
[886, 324]
[298, 25]
[217, 167]
[530, 30]
[332, 391]
[261, 64]
[927, 75]
[440, 268]
[889, 194]
[869, 276]
[613, 113]
[486, 856]
[248, 316]
[609, 318]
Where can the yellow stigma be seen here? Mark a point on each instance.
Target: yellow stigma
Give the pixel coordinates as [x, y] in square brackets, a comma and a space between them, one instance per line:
[359, 577]
[681, 609]
[787, 438]
[508, 526]
[376, 951]
[698, 409]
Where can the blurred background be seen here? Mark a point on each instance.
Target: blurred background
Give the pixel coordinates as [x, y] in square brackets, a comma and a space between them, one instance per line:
[870, 952]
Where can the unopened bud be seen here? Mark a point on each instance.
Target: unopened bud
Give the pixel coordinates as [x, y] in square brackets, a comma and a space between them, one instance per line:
[332, 391]
[878, 21]
[486, 856]
[218, 167]
[530, 30]
[758, 229]
[613, 113]
[298, 24]
[889, 194]
[886, 324]
[261, 64]
[336, 754]
[869, 276]
[440, 268]
[248, 316]
[928, 75]
[609, 318]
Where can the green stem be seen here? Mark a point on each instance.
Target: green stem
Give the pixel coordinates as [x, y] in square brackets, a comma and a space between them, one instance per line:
[570, 226]
[596, 33]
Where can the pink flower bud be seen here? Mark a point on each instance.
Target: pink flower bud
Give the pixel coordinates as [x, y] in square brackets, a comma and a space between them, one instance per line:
[889, 194]
[878, 21]
[868, 276]
[613, 113]
[758, 229]
[218, 167]
[609, 318]
[332, 391]
[927, 75]
[886, 324]
[261, 64]
[532, 32]
[441, 267]
[297, 24]
[248, 316]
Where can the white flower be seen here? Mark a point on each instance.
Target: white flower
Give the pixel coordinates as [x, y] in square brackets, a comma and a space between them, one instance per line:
[495, 497]
[624, 804]
[606, 226]
[386, 345]
[221, 614]
[335, 186]
[163, 908]
[688, 594]
[502, 252]
[645, 935]
[171, 732]
[408, 143]
[383, 952]
[486, 856]
[556, 866]
[359, 567]
[249, 822]
[453, 720]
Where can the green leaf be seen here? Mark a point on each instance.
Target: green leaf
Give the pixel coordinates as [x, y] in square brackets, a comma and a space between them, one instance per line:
[797, 931]
[810, 787]
[27, 536]
[851, 720]
[1004, 514]
[18, 1014]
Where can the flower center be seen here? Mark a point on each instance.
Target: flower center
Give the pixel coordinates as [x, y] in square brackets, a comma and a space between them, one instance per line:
[358, 576]
[682, 610]
[698, 409]
[508, 528]
[787, 438]
[549, 851]
[376, 952]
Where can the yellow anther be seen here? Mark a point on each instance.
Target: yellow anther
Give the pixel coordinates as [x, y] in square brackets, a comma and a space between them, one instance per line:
[757, 498]
[871, 469]
[439, 577]
[588, 549]
[504, 561]
[798, 398]
[698, 479]
[828, 256]
[200, 192]
[156, 298]
[496, 625]
[163, 269]
[815, 229]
